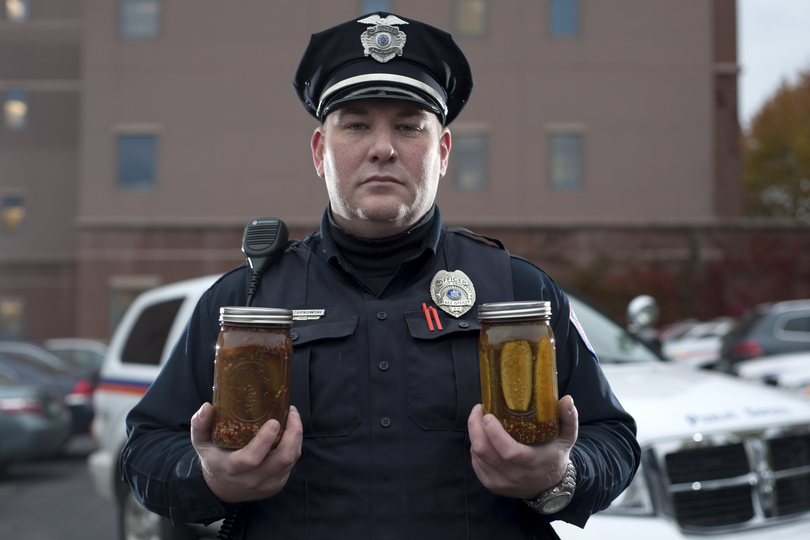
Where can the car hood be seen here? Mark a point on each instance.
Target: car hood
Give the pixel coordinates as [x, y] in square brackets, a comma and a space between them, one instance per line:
[669, 400]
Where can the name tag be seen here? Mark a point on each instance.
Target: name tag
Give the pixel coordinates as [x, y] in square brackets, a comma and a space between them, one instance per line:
[308, 314]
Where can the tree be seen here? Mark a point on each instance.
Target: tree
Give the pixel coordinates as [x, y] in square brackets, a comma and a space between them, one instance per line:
[776, 154]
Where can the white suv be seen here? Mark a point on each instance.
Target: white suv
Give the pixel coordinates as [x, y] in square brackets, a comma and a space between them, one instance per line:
[139, 347]
[721, 456]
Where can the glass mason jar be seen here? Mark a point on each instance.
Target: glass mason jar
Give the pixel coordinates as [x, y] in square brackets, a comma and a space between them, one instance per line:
[519, 369]
[253, 368]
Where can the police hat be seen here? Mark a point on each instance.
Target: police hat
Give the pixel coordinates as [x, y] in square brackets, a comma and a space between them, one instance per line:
[381, 55]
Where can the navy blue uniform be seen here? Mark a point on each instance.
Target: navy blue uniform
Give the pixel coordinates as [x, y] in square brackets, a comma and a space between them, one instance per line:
[383, 400]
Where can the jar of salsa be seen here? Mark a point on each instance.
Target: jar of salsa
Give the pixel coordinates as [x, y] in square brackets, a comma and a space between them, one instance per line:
[519, 369]
[253, 368]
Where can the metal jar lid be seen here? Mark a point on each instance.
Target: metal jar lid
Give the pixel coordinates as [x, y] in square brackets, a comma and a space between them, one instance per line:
[504, 311]
[255, 315]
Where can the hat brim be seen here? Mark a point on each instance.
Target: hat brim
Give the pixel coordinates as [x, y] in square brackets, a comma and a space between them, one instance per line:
[373, 89]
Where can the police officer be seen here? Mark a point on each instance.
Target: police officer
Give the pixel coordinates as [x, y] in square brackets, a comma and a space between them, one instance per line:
[385, 438]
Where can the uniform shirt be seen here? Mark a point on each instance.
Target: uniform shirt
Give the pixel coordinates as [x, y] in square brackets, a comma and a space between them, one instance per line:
[386, 453]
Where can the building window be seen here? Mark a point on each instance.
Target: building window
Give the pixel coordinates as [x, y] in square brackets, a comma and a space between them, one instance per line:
[564, 18]
[12, 317]
[470, 151]
[139, 19]
[12, 210]
[15, 109]
[565, 161]
[137, 161]
[17, 11]
[373, 6]
[471, 18]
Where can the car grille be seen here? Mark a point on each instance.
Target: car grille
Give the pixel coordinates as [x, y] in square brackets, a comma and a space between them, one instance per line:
[735, 481]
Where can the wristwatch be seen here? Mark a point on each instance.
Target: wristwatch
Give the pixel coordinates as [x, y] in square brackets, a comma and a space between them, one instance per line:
[555, 499]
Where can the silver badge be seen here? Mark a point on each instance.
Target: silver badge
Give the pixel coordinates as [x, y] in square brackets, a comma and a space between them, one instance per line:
[383, 41]
[453, 292]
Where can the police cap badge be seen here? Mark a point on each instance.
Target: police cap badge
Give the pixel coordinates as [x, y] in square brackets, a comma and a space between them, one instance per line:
[384, 40]
[381, 55]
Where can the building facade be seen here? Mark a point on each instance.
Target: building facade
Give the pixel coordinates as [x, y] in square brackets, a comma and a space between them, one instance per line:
[585, 114]
[40, 87]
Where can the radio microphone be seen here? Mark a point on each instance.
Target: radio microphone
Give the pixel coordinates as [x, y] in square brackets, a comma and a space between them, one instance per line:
[263, 243]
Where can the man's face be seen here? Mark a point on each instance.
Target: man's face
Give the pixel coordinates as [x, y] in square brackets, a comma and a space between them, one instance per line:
[382, 160]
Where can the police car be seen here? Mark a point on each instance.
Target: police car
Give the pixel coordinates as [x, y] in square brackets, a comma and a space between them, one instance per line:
[720, 455]
[139, 347]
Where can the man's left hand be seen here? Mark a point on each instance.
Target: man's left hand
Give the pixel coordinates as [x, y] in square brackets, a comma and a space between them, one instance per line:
[511, 469]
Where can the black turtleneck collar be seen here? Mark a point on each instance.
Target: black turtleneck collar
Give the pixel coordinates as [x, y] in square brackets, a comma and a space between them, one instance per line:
[377, 259]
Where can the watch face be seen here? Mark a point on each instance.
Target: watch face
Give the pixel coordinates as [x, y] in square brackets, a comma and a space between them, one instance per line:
[556, 503]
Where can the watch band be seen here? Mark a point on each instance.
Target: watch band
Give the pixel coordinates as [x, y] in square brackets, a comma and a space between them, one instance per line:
[555, 499]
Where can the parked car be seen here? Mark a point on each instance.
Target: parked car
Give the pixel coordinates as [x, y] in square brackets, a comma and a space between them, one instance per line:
[39, 355]
[139, 347]
[787, 370]
[676, 329]
[720, 455]
[700, 345]
[33, 421]
[797, 379]
[81, 353]
[766, 330]
[34, 364]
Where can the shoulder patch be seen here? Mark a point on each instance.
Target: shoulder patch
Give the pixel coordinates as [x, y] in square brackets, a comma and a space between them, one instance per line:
[581, 331]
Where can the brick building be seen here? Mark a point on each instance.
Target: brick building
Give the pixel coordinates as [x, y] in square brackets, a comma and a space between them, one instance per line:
[155, 130]
[40, 89]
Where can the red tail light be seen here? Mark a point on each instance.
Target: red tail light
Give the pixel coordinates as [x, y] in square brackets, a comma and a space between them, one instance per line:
[21, 405]
[748, 348]
[82, 386]
[82, 392]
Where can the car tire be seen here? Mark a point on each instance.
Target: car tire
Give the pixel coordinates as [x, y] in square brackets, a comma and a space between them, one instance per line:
[137, 523]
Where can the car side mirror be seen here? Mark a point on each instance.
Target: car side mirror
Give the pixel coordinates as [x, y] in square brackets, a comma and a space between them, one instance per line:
[642, 312]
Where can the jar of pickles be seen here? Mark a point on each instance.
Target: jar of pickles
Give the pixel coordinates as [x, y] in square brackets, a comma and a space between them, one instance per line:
[253, 368]
[519, 369]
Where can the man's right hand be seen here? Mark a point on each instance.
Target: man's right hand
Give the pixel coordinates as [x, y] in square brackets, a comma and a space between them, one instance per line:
[253, 472]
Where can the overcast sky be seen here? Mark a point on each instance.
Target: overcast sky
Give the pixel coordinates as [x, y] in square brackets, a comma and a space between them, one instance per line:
[774, 44]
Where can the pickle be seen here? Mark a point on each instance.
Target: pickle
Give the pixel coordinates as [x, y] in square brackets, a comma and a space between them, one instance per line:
[543, 381]
[516, 374]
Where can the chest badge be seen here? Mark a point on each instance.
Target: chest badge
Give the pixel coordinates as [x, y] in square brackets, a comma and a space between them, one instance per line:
[453, 292]
[383, 41]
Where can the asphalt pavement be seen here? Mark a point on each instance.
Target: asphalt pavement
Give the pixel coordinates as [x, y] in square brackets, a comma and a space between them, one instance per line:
[54, 499]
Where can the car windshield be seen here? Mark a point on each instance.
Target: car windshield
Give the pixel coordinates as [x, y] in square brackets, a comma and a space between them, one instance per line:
[33, 354]
[715, 328]
[80, 358]
[33, 362]
[612, 343]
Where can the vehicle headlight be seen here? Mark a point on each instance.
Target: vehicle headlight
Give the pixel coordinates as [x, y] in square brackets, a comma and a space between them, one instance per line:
[633, 501]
